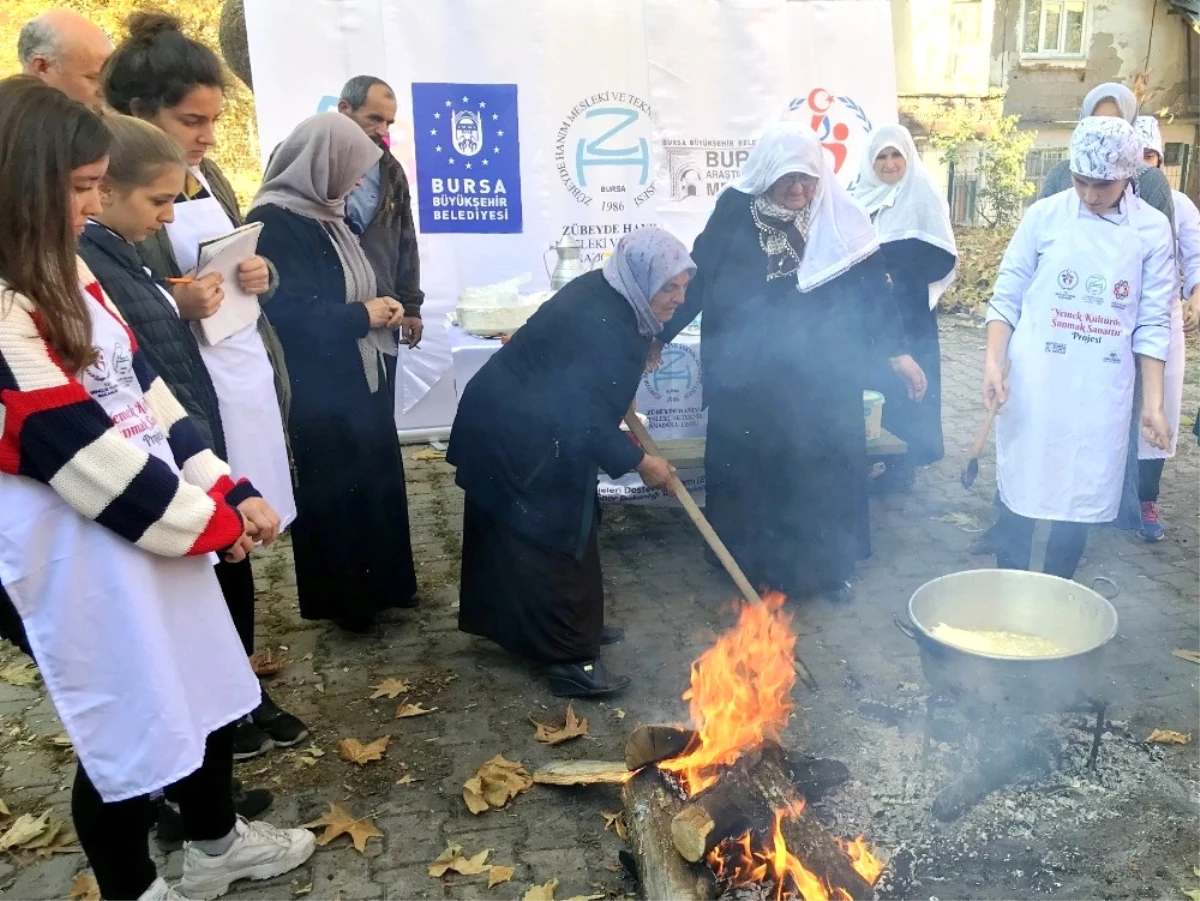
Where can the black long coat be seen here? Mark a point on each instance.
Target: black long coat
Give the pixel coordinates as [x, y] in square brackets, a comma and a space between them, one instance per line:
[543, 415]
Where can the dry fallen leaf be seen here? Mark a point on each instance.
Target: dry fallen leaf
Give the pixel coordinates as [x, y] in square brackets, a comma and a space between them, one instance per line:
[453, 860]
[268, 662]
[1167, 737]
[497, 875]
[556, 735]
[407, 779]
[495, 784]
[616, 822]
[25, 829]
[340, 821]
[4, 811]
[303, 890]
[404, 711]
[964, 521]
[56, 840]
[354, 751]
[586, 897]
[620, 713]
[1188, 655]
[1193, 893]
[19, 674]
[391, 689]
[62, 740]
[84, 888]
[541, 892]
[615, 867]
[429, 455]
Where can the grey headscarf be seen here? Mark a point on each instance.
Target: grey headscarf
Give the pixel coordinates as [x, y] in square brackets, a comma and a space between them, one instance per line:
[310, 174]
[1124, 98]
[644, 261]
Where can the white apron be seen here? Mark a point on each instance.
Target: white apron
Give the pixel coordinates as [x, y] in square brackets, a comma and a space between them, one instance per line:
[1063, 436]
[138, 652]
[241, 373]
[1172, 389]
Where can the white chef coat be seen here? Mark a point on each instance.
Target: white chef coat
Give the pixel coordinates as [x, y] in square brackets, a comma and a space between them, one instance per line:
[1187, 246]
[1084, 294]
[241, 372]
[138, 652]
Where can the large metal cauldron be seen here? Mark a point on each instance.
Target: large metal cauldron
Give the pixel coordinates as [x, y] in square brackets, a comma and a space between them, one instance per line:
[1072, 616]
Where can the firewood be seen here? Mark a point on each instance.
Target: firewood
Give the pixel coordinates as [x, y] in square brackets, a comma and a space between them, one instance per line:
[813, 776]
[582, 772]
[747, 796]
[662, 873]
[650, 744]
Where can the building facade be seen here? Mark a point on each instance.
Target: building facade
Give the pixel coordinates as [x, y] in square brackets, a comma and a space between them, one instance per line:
[1036, 59]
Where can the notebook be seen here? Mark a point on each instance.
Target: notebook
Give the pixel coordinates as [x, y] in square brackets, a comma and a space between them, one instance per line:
[224, 255]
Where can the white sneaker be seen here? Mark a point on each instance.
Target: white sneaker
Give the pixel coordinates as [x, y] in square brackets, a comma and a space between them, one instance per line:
[259, 851]
[160, 891]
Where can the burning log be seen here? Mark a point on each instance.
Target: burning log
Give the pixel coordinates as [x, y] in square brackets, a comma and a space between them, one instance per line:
[650, 744]
[649, 806]
[747, 796]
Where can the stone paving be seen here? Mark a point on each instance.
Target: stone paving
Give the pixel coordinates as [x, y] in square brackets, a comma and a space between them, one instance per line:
[673, 606]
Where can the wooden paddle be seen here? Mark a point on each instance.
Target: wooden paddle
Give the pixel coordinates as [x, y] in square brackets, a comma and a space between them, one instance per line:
[971, 470]
[710, 536]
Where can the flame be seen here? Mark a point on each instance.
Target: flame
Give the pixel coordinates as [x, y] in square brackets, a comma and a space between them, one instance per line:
[739, 862]
[740, 693]
[866, 864]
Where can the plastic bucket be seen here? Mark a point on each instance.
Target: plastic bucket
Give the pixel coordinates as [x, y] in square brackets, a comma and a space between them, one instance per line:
[873, 414]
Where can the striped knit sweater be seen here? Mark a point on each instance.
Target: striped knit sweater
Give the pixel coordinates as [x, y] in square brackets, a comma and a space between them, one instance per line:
[51, 430]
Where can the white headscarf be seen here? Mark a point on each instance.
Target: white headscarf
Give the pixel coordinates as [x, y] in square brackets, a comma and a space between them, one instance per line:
[1147, 127]
[1125, 99]
[1105, 148]
[839, 232]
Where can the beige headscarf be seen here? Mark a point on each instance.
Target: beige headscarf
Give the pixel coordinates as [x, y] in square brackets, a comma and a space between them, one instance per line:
[310, 174]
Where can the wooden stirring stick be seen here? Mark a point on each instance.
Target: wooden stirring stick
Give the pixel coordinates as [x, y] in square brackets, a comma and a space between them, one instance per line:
[710, 536]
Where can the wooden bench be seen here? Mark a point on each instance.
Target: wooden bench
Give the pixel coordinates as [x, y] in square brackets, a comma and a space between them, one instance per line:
[688, 453]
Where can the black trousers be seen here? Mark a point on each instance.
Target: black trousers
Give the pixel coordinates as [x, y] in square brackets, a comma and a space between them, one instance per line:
[1015, 544]
[237, 585]
[1149, 478]
[114, 836]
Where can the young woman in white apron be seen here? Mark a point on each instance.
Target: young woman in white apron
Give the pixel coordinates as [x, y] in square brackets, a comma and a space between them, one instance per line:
[105, 544]
[1085, 287]
[1151, 460]
[176, 83]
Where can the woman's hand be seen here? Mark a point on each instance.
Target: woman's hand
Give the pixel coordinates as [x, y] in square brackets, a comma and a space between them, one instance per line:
[1191, 312]
[654, 357]
[199, 298]
[384, 312]
[1156, 429]
[254, 276]
[914, 377]
[241, 548]
[995, 385]
[258, 513]
[655, 472]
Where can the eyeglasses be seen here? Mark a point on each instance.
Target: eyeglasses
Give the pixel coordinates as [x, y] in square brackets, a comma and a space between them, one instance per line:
[797, 178]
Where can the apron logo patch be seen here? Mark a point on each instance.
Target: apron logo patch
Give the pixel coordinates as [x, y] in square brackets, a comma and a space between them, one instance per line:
[1112, 357]
[1095, 285]
[1067, 279]
[1121, 290]
[1055, 347]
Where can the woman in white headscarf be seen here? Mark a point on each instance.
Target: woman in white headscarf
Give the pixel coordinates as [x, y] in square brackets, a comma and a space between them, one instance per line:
[796, 309]
[1082, 300]
[1187, 242]
[912, 222]
[351, 541]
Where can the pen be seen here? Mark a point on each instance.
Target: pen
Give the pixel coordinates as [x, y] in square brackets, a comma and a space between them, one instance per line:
[180, 281]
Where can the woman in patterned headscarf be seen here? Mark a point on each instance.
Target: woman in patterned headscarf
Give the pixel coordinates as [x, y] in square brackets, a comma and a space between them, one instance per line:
[532, 429]
[797, 311]
[1082, 300]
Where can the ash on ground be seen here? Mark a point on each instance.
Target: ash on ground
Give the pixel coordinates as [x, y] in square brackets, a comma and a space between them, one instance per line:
[1035, 835]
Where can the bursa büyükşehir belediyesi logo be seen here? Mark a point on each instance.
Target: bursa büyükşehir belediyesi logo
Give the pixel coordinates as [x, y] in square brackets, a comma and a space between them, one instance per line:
[468, 158]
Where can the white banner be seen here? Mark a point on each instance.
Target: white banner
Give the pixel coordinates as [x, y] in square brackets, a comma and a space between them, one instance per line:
[523, 121]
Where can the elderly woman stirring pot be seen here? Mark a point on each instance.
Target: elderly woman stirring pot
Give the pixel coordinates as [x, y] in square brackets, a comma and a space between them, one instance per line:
[912, 222]
[797, 309]
[533, 428]
[1082, 300]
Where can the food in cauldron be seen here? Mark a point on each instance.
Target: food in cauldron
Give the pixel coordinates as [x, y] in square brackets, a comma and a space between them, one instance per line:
[997, 642]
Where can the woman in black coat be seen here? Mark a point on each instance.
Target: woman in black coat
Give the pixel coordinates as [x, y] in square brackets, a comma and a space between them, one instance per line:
[351, 539]
[912, 221]
[797, 309]
[532, 430]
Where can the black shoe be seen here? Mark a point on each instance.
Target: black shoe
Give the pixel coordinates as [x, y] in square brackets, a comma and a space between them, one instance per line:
[584, 680]
[414, 601]
[283, 729]
[839, 594]
[611, 635]
[892, 480]
[249, 741]
[169, 829]
[356, 625]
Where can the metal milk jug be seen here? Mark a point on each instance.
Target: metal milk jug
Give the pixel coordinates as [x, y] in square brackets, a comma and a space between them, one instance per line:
[568, 266]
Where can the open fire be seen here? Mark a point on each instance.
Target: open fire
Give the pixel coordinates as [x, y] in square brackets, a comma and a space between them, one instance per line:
[740, 699]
